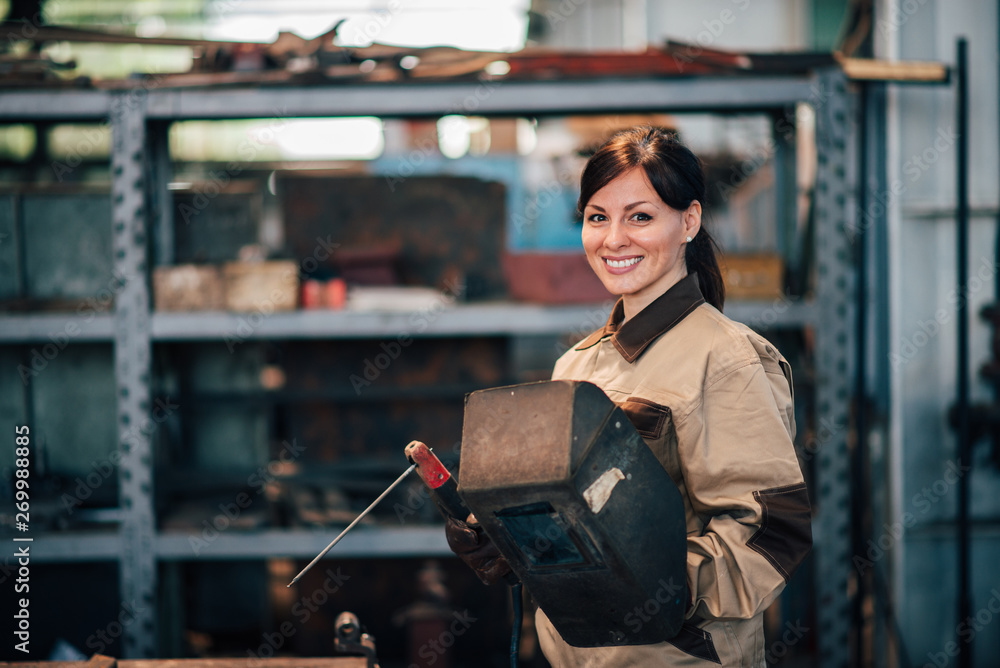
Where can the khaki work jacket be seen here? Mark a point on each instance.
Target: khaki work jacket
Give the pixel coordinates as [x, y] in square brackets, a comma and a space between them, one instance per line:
[713, 400]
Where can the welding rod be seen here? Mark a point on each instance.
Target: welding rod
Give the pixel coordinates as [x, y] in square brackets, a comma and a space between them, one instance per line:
[351, 525]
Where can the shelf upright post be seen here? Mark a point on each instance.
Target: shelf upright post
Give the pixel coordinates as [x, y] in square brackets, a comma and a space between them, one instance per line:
[161, 204]
[132, 351]
[831, 492]
[783, 126]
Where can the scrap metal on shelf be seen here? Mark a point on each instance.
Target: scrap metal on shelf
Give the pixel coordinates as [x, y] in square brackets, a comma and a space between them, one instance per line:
[293, 59]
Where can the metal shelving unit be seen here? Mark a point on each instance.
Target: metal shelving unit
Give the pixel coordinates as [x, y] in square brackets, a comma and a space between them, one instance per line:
[74, 547]
[487, 97]
[834, 203]
[466, 320]
[140, 172]
[481, 319]
[415, 541]
[28, 328]
[461, 320]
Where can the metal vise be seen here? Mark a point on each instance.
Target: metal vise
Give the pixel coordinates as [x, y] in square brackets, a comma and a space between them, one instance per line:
[350, 640]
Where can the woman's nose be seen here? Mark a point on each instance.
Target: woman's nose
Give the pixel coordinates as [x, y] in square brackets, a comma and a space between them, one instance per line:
[616, 237]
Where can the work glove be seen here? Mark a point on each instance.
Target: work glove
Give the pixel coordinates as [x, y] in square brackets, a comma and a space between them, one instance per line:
[474, 547]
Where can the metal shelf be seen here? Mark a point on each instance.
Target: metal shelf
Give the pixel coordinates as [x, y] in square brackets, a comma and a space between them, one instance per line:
[55, 327]
[421, 541]
[33, 105]
[489, 96]
[418, 541]
[433, 392]
[74, 547]
[494, 319]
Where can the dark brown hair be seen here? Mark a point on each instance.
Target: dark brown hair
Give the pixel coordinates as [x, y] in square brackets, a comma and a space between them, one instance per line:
[676, 175]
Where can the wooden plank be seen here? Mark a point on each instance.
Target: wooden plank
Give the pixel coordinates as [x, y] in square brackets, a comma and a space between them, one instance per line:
[866, 69]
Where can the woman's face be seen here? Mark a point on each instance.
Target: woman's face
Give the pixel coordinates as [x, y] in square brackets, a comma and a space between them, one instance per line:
[634, 241]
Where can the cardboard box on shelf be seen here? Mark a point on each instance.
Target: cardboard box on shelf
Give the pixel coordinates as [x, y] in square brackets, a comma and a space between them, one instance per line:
[188, 287]
[753, 275]
[252, 286]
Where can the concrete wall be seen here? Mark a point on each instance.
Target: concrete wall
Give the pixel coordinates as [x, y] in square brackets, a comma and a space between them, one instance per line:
[631, 24]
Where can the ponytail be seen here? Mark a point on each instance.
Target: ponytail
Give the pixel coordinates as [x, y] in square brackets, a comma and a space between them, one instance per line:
[700, 258]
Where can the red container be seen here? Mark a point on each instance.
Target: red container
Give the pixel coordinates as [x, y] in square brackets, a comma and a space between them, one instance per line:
[336, 293]
[313, 294]
[552, 278]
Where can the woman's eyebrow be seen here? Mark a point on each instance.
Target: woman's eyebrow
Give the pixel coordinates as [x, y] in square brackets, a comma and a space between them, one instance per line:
[628, 207]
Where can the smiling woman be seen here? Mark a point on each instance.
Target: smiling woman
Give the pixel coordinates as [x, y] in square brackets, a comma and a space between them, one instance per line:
[712, 400]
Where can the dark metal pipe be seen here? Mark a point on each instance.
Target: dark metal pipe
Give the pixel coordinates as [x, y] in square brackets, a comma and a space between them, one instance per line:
[962, 262]
[515, 631]
[859, 493]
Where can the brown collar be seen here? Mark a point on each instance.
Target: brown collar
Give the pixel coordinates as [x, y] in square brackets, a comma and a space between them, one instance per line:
[632, 337]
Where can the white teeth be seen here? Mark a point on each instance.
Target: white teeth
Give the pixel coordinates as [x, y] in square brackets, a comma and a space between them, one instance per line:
[619, 264]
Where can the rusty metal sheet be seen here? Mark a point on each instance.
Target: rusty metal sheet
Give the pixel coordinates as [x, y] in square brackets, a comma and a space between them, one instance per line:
[447, 228]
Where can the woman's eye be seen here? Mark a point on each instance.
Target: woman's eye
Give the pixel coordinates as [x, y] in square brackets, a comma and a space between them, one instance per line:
[642, 217]
[597, 218]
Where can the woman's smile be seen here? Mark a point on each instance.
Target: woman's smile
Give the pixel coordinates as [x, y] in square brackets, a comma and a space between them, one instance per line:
[620, 266]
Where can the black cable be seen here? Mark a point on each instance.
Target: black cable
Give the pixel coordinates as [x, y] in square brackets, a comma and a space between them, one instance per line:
[515, 632]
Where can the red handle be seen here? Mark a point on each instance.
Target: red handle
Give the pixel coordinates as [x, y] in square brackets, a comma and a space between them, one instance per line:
[442, 485]
[429, 466]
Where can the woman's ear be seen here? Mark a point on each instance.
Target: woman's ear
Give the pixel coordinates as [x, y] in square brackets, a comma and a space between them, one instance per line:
[692, 219]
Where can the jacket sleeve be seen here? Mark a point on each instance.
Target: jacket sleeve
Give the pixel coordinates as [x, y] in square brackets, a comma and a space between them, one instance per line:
[746, 490]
